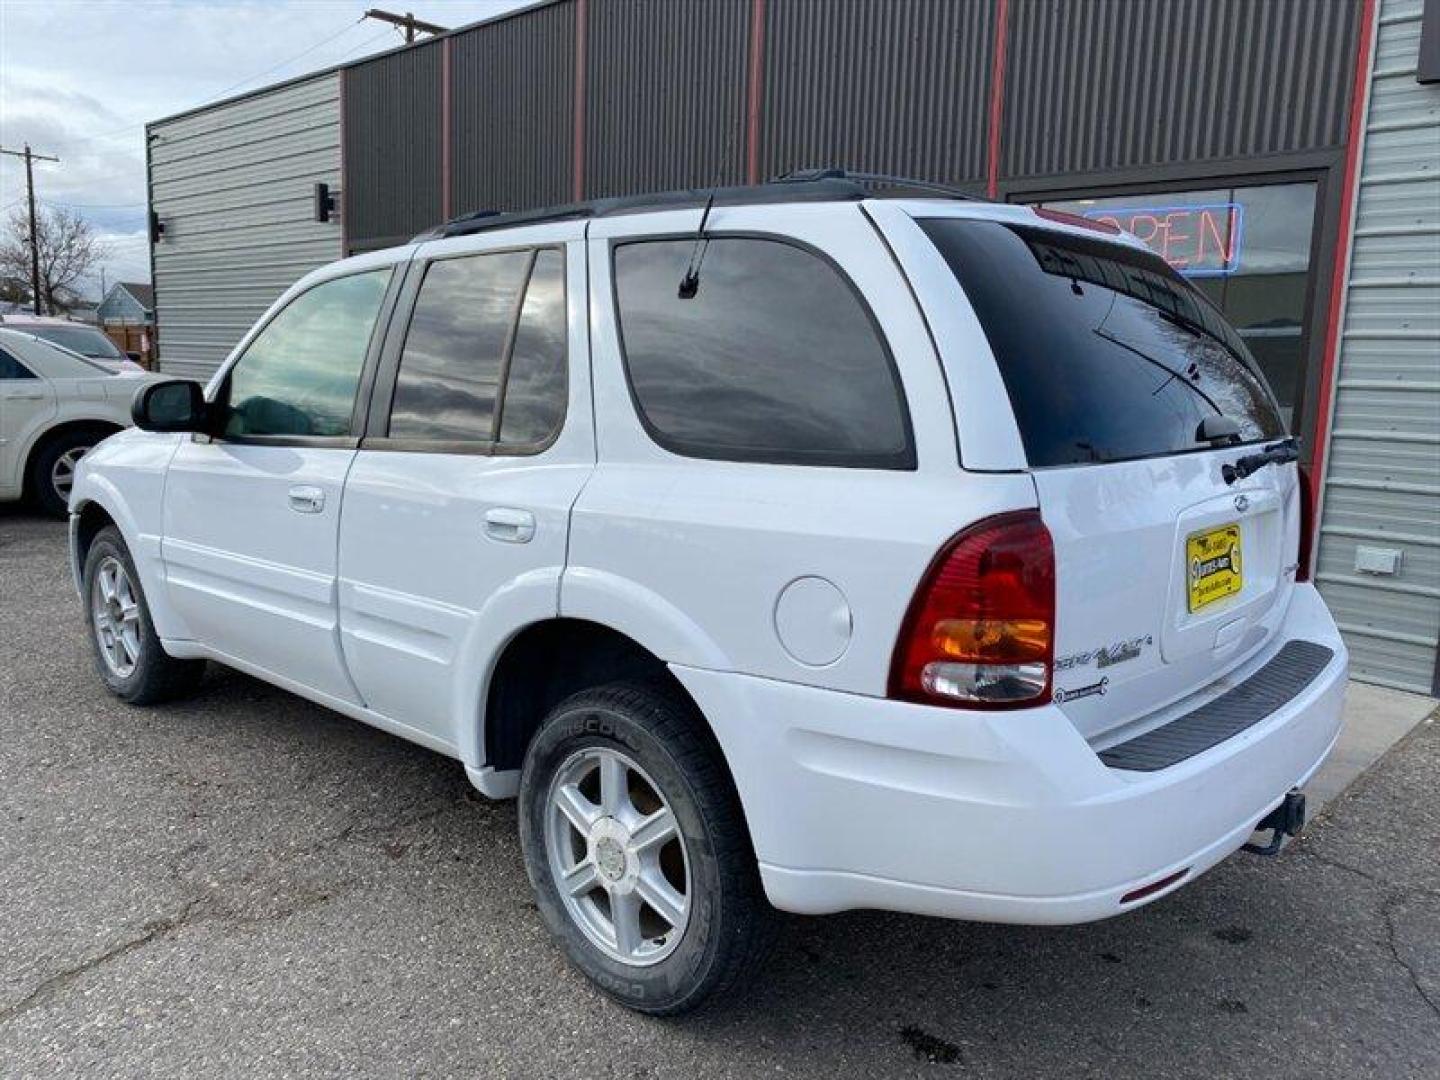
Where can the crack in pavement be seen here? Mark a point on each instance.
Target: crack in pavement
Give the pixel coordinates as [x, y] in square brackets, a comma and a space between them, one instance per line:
[1387, 912]
[211, 908]
[54, 984]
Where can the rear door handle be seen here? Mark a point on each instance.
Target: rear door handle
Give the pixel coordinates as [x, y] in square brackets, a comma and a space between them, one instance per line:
[509, 525]
[305, 499]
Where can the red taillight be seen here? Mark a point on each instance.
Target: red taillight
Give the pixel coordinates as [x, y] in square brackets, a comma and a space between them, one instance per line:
[1078, 220]
[980, 632]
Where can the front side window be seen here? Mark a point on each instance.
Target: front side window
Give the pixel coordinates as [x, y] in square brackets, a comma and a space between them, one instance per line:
[10, 368]
[484, 357]
[299, 375]
[774, 359]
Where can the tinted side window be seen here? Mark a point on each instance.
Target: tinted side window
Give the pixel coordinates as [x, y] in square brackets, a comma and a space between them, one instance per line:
[299, 375]
[774, 359]
[10, 368]
[534, 398]
[450, 366]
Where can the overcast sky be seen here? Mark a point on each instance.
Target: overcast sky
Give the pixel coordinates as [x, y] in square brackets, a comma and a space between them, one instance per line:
[79, 79]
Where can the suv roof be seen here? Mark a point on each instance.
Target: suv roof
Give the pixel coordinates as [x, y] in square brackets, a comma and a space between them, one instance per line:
[809, 185]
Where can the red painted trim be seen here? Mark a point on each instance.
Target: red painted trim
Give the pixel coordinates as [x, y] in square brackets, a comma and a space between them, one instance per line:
[997, 100]
[755, 91]
[446, 134]
[344, 178]
[577, 144]
[1329, 360]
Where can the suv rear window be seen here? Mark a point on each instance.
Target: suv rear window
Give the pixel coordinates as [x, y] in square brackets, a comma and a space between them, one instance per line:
[1106, 352]
[775, 358]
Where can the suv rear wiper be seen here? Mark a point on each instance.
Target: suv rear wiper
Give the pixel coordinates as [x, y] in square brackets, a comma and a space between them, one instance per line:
[1280, 453]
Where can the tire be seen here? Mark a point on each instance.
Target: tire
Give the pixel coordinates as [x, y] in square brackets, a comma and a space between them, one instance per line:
[52, 468]
[674, 764]
[134, 666]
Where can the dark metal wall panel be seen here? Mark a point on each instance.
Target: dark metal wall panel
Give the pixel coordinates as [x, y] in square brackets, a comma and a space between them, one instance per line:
[665, 94]
[512, 100]
[894, 86]
[1114, 84]
[392, 147]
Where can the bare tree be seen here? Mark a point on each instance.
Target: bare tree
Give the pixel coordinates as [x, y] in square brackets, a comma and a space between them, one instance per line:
[68, 251]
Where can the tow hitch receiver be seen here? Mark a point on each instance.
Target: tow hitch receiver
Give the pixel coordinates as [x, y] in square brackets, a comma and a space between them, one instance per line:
[1287, 819]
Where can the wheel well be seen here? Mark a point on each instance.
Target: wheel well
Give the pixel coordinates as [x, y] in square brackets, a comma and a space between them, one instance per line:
[93, 518]
[102, 428]
[546, 663]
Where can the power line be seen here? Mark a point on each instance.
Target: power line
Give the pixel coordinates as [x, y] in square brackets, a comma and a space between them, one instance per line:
[140, 126]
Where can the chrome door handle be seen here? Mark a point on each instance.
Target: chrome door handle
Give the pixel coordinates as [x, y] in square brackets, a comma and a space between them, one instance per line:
[510, 525]
[305, 499]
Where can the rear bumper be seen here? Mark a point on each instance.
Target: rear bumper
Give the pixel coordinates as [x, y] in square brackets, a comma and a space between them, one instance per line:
[1005, 817]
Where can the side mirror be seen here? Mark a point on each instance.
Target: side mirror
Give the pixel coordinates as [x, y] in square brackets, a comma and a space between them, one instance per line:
[133, 357]
[175, 405]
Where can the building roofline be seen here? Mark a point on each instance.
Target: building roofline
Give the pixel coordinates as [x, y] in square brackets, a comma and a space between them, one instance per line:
[335, 69]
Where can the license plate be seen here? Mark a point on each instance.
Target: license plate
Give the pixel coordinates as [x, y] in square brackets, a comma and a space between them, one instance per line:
[1213, 559]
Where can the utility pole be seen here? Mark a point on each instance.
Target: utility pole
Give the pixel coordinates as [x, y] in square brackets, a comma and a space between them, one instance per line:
[29, 156]
[408, 22]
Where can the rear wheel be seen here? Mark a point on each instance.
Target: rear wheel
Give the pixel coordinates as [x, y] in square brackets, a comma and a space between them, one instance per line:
[52, 468]
[128, 654]
[637, 850]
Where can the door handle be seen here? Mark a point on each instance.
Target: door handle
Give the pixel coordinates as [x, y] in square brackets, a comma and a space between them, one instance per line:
[509, 525]
[305, 499]
[26, 395]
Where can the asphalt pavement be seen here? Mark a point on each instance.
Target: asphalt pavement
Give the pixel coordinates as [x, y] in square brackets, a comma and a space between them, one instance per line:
[247, 884]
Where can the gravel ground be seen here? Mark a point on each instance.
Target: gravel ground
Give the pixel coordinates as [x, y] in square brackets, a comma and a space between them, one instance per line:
[245, 883]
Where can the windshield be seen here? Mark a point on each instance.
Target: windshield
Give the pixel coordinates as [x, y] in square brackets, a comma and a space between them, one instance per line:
[80, 339]
[1107, 354]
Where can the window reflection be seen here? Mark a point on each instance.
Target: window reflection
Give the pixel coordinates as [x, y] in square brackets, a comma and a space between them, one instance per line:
[774, 359]
[1247, 248]
[535, 390]
[299, 375]
[450, 366]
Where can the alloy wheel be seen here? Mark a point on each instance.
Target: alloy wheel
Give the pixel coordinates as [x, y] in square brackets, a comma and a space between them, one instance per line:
[62, 473]
[115, 610]
[617, 856]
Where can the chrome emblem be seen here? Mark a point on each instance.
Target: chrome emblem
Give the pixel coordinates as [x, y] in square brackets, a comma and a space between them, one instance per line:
[1242, 503]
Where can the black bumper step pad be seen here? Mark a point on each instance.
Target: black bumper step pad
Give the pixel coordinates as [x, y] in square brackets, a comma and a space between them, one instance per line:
[1292, 669]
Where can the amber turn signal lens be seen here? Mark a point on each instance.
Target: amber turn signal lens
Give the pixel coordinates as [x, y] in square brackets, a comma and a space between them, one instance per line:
[992, 640]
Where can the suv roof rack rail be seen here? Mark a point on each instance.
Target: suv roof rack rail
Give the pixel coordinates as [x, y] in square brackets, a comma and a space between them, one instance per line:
[799, 185]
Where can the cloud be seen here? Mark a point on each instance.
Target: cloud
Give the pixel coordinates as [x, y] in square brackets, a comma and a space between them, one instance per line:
[78, 81]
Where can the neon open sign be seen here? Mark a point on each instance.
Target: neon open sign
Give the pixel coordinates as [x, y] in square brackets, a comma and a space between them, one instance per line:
[1198, 241]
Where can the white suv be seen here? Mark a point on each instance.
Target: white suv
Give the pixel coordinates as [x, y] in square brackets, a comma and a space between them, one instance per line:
[820, 550]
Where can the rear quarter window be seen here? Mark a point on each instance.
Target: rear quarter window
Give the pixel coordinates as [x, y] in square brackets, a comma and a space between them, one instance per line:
[1106, 353]
[775, 359]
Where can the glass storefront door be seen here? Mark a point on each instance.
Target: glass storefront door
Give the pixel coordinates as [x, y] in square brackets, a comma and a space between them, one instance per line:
[1248, 248]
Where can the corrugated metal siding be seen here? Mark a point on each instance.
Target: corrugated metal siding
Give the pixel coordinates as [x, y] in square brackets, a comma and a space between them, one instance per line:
[234, 186]
[892, 86]
[392, 147]
[513, 102]
[665, 94]
[1383, 476]
[1116, 83]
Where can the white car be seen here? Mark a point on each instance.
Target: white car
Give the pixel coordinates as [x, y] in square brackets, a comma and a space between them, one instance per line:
[89, 341]
[819, 550]
[54, 405]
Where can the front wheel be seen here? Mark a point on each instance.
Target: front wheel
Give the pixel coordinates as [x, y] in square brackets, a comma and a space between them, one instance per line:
[128, 654]
[637, 850]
